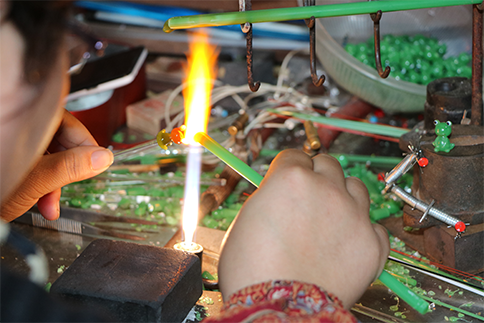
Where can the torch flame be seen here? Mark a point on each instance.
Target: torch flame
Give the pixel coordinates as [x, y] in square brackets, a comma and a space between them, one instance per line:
[200, 72]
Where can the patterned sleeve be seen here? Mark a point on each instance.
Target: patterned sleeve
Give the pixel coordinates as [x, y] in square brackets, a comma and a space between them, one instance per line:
[288, 301]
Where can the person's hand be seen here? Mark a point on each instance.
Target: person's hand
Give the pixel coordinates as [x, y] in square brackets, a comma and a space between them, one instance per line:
[306, 222]
[74, 155]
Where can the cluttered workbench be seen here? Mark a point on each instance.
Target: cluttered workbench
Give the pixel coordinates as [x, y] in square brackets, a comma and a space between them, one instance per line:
[403, 113]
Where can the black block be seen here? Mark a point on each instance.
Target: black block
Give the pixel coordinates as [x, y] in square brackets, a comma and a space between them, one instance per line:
[136, 283]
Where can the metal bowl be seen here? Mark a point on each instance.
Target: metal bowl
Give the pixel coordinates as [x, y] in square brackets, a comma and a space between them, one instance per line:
[450, 25]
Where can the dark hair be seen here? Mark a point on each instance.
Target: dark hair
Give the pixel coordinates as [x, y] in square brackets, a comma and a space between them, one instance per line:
[42, 25]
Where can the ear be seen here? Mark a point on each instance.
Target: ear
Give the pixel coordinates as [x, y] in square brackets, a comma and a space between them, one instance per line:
[436, 122]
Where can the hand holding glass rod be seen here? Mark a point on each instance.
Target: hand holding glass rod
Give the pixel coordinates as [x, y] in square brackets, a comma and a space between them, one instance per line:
[255, 178]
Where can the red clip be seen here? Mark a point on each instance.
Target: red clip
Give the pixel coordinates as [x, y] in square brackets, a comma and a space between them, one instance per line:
[422, 162]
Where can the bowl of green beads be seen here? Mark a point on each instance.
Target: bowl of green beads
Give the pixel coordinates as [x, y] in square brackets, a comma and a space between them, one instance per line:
[418, 45]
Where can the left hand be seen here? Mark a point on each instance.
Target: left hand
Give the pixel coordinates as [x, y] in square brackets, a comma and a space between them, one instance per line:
[73, 155]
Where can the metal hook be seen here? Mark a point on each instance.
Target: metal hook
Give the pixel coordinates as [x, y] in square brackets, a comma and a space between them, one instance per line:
[247, 29]
[250, 79]
[376, 31]
[310, 23]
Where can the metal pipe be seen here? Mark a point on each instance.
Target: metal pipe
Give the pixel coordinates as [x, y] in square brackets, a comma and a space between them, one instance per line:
[404, 166]
[424, 207]
[323, 11]
[312, 135]
[476, 118]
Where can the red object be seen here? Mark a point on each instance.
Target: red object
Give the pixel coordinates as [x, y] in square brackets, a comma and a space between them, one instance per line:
[460, 226]
[379, 113]
[355, 108]
[177, 135]
[103, 121]
[422, 162]
[381, 177]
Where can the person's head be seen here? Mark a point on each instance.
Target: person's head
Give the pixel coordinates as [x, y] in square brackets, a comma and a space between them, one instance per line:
[33, 83]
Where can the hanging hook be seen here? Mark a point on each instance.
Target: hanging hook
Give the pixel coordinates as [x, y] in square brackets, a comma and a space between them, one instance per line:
[250, 79]
[247, 29]
[310, 23]
[376, 31]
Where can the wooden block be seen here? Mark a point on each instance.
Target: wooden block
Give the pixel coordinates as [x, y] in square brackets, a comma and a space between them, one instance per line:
[148, 115]
[136, 283]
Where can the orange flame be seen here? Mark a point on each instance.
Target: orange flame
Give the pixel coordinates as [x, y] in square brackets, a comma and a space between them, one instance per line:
[201, 70]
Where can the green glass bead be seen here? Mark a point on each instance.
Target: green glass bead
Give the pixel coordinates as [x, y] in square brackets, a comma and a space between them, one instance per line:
[154, 192]
[384, 45]
[379, 214]
[141, 209]
[455, 60]
[394, 56]
[231, 199]
[235, 206]
[209, 222]
[392, 206]
[343, 160]
[171, 220]
[466, 71]
[397, 75]
[176, 191]
[432, 41]
[362, 57]
[421, 39]
[149, 160]
[207, 275]
[424, 66]
[464, 58]
[437, 71]
[362, 47]
[351, 49]
[414, 77]
[224, 213]
[124, 203]
[158, 206]
[389, 38]
[426, 78]
[442, 49]
[376, 198]
[118, 137]
[133, 191]
[75, 202]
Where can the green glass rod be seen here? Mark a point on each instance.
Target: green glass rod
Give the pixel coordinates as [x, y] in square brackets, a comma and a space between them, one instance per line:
[230, 159]
[255, 178]
[297, 13]
[367, 127]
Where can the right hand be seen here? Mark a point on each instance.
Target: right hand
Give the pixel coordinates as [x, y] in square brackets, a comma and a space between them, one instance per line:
[306, 222]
